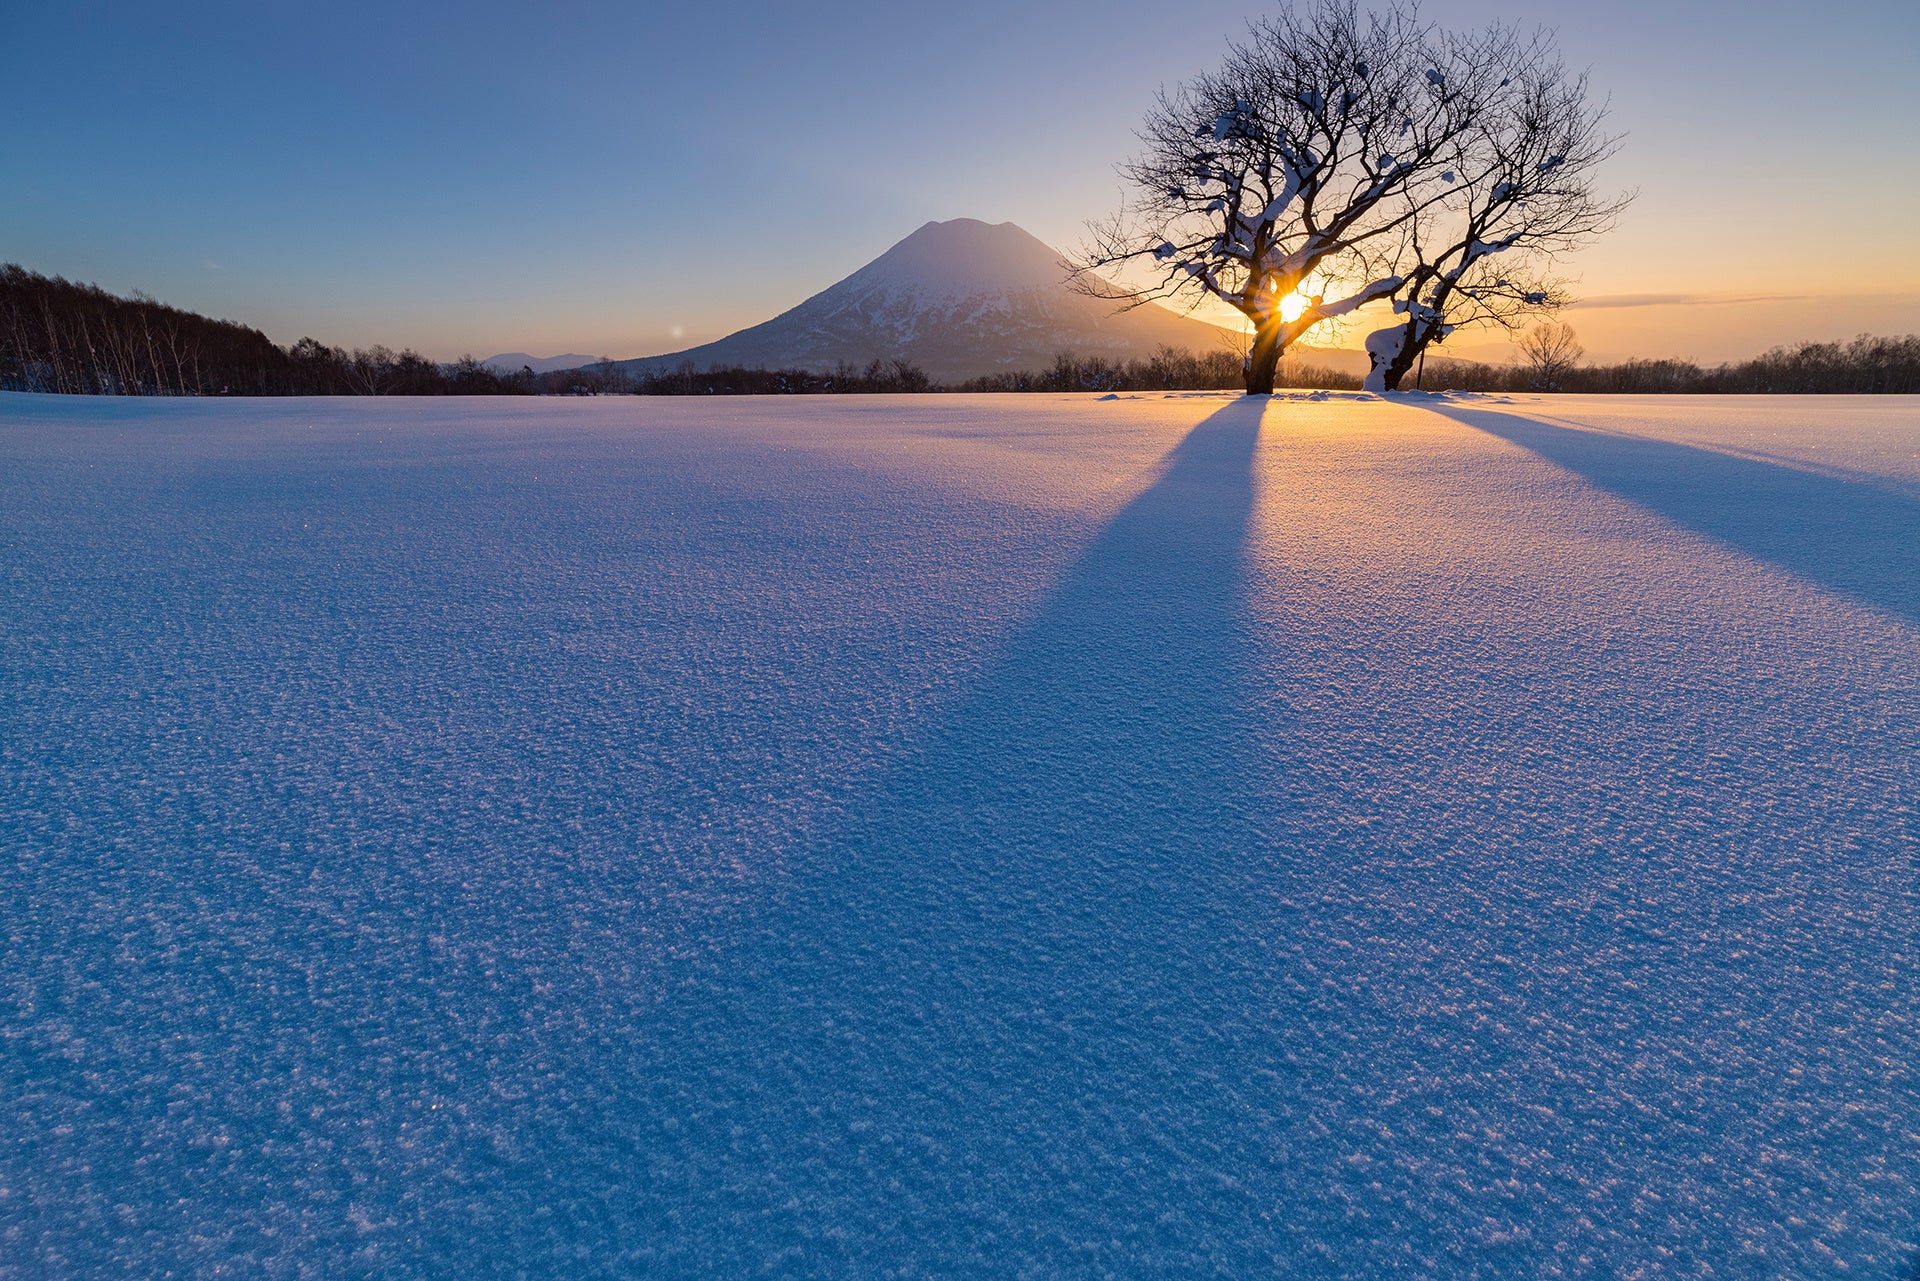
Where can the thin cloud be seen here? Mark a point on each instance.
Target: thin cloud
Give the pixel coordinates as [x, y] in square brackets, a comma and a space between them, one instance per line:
[1687, 300]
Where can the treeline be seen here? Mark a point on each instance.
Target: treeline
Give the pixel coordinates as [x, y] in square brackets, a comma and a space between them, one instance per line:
[880, 376]
[59, 336]
[1168, 369]
[1868, 365]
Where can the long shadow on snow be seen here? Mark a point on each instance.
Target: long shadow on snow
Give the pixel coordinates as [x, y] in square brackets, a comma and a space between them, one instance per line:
[1014, 1016]
[1851, 538]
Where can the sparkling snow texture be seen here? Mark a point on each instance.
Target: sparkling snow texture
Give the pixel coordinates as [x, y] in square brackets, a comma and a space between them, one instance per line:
[962, 837]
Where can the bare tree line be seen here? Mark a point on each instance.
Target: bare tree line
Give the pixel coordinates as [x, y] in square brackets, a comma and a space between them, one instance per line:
[65, 337]
[58, 336]
[1867, 365]
[1169, 369]
[1550, 361]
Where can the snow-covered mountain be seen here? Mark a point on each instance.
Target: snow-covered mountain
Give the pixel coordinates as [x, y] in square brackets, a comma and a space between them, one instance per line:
[512, 362]
[959, 299]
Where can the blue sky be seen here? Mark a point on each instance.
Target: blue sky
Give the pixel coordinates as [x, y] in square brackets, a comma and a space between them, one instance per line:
[632, 179]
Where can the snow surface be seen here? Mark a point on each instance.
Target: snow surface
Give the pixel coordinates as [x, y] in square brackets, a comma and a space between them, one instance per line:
[1021, 836]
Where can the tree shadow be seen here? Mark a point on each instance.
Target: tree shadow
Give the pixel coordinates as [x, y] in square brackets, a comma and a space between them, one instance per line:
[1014, 1010]
[1852, 538]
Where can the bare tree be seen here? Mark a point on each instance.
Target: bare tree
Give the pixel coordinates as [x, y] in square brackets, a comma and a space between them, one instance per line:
[1522, 194]
[1553, 351]
[370, 372]
[1283, 185]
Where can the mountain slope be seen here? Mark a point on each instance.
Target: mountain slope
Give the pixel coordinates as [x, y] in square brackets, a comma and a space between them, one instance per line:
[512, 362]
[959, 299]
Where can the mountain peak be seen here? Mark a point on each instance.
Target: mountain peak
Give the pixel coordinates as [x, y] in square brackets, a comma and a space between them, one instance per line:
[959, 226]
[959, 298]
[964, 258]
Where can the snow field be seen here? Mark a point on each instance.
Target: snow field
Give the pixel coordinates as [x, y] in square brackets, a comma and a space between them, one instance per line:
[958, 836]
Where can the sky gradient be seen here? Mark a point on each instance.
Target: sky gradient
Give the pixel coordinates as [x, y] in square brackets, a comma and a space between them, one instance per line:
[627, 180]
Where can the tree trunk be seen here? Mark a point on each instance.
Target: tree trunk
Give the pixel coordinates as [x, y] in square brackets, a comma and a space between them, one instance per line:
[1402, 364]
[1413, 348]
[1263, 362]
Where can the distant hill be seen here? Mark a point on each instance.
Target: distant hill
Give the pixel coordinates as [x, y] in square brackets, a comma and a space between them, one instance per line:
[512, 362]
[959, 299]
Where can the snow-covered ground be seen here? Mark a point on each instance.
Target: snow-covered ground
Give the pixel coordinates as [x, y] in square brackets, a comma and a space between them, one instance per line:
[962, 837]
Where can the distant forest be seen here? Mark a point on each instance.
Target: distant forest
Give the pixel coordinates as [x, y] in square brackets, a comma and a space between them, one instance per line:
[59, 336]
